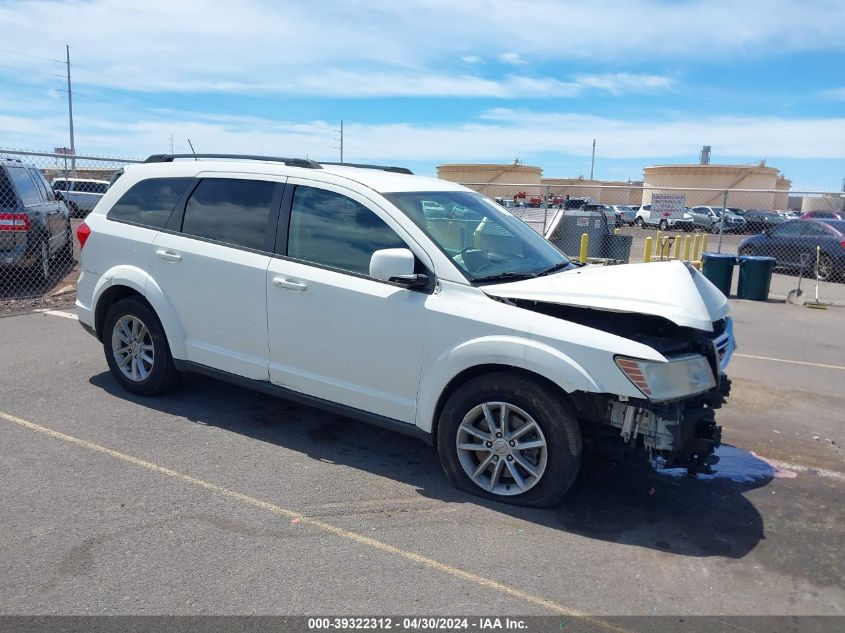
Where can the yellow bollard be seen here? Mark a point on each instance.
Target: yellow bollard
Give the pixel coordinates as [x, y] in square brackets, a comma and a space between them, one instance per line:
[687, 244]
[678, 247]
[585, 239]
[659, 236]
[704, 239]
[696, 248]
[664, 248]
[647, 252]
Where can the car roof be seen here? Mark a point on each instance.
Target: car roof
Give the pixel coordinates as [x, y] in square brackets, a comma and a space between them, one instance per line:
[105, 182]
[376, 179]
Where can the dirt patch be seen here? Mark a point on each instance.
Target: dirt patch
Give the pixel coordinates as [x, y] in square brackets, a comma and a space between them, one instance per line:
[58, 292]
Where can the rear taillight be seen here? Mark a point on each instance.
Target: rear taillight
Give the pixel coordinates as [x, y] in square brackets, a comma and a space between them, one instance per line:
[14, 222]
[82, 234]
[842, 244]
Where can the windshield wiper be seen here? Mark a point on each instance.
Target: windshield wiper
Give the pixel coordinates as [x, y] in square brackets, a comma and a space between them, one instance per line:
[552, 269]
[510, 276]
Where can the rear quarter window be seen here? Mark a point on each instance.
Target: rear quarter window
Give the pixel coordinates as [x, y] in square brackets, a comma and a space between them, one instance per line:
[150, 202]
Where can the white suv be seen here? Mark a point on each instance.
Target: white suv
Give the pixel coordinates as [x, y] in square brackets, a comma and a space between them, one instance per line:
[412, 303]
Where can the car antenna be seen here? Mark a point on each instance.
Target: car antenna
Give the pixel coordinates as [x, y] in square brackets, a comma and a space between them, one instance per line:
[193, 151]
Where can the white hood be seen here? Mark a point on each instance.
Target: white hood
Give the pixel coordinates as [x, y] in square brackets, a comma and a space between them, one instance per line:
[671, 289]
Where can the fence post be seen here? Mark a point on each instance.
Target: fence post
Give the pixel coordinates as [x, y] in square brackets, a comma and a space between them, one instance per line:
[546, 211]
[724, 219]
[647, 251]
[585, 239]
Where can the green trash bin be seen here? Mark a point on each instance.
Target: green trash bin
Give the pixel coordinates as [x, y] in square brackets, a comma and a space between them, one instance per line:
[755, 277]
[719, 268]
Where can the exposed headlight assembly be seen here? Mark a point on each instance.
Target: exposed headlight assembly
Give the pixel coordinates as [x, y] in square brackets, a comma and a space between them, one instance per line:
[681, 376]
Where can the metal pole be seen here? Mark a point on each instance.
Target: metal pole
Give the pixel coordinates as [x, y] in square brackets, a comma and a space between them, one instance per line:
[593, 161]
[546, 210]
[70, 115]
[341, 140]
[724, 219]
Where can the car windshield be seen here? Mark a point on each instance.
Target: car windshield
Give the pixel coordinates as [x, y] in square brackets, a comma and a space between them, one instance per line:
[486, 241]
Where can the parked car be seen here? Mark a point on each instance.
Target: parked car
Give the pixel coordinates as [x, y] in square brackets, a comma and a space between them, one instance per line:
[793, 244]
[34, 225]
[758, 221]
[819, 215]
[413, 303]
[711, 219]
[81, 195]
[644, 219]
[625, 215]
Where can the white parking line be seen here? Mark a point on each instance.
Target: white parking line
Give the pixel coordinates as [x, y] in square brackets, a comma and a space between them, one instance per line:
[58, 313]
[794, 362]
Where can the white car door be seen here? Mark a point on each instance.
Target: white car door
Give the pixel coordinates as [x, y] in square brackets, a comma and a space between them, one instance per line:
[212, 268]
[336, 333]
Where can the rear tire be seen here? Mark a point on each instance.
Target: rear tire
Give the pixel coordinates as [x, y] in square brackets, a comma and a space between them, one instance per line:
[640, 223]
[826, 271]
[136, 348]
[491, 463]
[663, 225]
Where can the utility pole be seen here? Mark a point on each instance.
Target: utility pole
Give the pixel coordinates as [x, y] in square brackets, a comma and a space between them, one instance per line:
[171, 143]
[70, 115]
[593, 161]
[341, 140]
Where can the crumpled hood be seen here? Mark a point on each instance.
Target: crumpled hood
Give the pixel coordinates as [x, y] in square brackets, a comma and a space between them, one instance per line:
[672, 290]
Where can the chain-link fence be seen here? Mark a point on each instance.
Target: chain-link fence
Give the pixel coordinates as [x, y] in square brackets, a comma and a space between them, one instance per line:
[803, 231]
[43, 198]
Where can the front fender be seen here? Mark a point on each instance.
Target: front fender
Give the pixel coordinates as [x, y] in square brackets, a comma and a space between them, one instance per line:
[507, 351]
[140, 281]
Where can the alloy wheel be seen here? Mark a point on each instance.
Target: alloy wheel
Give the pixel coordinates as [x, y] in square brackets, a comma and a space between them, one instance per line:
[133, 348]
[501, 448]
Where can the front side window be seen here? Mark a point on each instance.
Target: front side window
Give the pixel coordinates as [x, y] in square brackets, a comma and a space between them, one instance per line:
[329, 229]
[27, 189]
[229, 210]
[487, 242]
[150, 202]
[60, 185]
[813, 229]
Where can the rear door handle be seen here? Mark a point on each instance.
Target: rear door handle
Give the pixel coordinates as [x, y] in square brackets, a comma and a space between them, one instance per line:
[288, 284]
[169, 256]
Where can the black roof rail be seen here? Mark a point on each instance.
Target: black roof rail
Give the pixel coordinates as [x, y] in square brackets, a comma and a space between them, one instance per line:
[293, 162]
[395, 170]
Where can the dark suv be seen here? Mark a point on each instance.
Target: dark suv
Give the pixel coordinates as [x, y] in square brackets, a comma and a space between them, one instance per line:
[34, 225]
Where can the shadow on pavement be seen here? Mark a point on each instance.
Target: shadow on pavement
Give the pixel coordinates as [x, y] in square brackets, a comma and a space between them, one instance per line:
[610, 500]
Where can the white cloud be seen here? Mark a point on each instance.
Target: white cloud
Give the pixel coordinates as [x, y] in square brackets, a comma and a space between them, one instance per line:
[499, 136]
[512, 58]
[627, 83]
[833, 94]
[256, 46]
[471, 59]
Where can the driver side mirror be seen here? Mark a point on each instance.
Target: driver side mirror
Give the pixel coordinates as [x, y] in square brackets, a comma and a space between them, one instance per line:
[396, 265]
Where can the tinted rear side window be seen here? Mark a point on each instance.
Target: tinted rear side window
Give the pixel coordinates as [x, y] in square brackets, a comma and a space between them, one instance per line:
[60, 185]
[150, 202]
[27, 189]
[231, 211]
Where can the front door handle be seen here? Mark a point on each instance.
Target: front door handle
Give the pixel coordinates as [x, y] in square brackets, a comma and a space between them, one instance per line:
[169, 256]
[288, 284]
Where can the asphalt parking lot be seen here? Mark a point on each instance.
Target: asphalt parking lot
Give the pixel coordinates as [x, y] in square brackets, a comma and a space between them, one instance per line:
[216, 500]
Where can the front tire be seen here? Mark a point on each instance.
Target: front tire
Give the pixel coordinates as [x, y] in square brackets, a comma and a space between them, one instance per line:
[663, 225]
[510, 438]
[640, 223]
[136, 348]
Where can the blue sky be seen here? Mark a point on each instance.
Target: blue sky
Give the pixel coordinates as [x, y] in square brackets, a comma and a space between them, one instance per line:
[420, 83]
